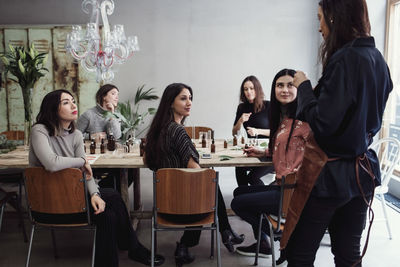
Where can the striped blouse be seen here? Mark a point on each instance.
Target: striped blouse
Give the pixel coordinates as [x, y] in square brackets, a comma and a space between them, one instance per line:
[177, 147]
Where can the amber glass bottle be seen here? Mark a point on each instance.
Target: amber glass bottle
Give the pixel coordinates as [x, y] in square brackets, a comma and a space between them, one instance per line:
[102, 146]
[213, 146]
[92, 147]
[111, 142]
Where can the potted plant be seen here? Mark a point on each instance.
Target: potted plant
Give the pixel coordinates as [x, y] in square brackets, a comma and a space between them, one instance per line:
[27, 66]
[132, 118]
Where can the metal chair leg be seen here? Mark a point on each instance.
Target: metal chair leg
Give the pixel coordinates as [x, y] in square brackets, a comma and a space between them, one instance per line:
[53, 238]
[218, 245]
[152, 241]
[272, 239]
[1, 215]
[212, 244]
[30, 246]
[258, 240]
[94, 246]
[383, 202]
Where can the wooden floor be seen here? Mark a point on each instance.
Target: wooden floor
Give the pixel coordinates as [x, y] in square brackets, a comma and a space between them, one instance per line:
[75, 246]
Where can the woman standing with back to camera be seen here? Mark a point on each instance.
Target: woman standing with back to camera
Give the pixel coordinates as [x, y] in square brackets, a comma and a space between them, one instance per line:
[345, 112]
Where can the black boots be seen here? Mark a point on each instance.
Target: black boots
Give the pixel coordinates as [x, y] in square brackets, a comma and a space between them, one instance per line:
[182, 255]
[230, 238]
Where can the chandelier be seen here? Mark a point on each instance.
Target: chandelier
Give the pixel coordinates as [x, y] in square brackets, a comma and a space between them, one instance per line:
[99, 54]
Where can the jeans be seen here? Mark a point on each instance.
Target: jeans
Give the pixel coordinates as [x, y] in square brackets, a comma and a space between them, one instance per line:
[251, 175]
[250, 201]
[345, 220]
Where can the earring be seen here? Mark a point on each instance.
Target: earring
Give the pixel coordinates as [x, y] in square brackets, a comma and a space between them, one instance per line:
[331, 21]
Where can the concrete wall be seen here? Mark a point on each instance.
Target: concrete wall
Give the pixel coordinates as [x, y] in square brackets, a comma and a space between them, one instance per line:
[210, 45]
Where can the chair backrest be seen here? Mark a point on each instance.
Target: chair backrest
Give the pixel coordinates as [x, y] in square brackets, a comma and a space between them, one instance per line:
[196, 130]
[61, 192]
[185, 191]
[388, 151]
[14, 135]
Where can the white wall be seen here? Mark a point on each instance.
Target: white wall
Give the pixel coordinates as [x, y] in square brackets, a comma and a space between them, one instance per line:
[210, 45]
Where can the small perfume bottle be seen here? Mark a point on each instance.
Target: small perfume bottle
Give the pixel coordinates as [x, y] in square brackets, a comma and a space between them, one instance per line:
[225, 144]
[92, 147]
[111, 142]
[235, 140]
[102, 146]
[203, 141]
[213, 146]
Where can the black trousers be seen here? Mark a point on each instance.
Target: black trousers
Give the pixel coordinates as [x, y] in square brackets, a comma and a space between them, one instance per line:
[192, 238]
[114, 230]
[251, 175]
[345, 220]
[250, 201]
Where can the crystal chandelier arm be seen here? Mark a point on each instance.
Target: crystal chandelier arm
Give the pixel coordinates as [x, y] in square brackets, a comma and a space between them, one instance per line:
[107, 8]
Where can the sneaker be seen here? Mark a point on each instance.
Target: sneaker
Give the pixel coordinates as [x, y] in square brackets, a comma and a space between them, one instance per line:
[265, 250]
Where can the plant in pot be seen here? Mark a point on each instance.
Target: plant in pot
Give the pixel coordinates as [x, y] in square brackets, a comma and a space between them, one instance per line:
[27, 66]
[131, 117]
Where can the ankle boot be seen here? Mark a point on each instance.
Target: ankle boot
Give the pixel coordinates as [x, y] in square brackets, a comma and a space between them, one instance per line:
[237, 239]
[182, 255]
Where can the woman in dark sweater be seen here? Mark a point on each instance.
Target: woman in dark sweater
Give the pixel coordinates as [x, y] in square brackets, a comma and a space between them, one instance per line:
[252, 113]
[345, 112]
[169, 146]
[56, 145]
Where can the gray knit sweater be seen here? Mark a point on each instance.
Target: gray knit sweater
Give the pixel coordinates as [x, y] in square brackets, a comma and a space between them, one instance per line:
[92, 121]
[56, 153]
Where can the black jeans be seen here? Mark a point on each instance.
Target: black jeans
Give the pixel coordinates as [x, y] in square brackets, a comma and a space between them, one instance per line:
[192, 238]
[114, 230]
[251, 175]
[345, 220]
[250, 201]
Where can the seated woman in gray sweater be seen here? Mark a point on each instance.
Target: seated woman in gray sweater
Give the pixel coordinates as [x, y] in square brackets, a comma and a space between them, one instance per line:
[93, 122]
[56, 145]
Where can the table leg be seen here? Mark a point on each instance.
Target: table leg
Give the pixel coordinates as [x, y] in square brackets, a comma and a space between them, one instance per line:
[137, 201]
[124, 187]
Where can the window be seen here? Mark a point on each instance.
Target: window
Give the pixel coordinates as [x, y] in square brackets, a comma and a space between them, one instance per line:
[391, 124]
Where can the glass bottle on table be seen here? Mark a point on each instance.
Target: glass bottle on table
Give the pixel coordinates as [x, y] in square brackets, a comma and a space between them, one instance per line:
[225, 144]
[213, 146]
[92, 147]
[203, 141]
[235, 140]
[111, 142]
[102, 146]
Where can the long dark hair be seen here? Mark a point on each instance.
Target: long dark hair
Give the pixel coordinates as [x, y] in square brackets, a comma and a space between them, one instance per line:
[276, 112]
[346, 21]
[48, 114]
[154, 141]
[259, 100]
[102, 92]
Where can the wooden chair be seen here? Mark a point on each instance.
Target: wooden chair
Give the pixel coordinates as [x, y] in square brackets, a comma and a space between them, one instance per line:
[185, 192]
[277, 223]
[388, 151]
[14, 176]
[196, 130]
[57, 200]
[13, 200]
[14, 135]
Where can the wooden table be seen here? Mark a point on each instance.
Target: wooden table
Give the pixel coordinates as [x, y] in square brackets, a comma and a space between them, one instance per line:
[124, 161]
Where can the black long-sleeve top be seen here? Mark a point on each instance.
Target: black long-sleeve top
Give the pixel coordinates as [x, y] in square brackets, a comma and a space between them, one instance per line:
[345, 111]
[258, 120]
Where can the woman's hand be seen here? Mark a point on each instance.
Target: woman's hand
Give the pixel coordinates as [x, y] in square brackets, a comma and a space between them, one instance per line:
[245, 117]
[299, 77]
[109, 106]
[254, 152]
[87, 170]
[252, 131]
[98, 204]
